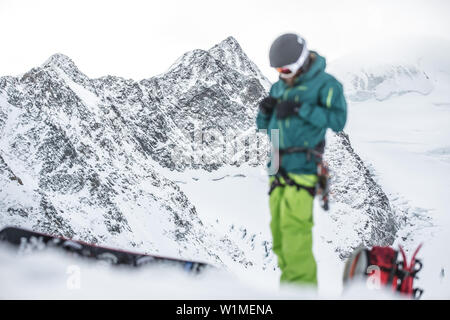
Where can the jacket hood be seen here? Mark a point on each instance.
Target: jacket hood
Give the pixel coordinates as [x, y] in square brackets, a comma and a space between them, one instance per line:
[317, 66]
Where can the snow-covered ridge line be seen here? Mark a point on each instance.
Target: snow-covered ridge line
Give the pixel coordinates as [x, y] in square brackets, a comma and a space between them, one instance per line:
[386, 81]
[394, 68]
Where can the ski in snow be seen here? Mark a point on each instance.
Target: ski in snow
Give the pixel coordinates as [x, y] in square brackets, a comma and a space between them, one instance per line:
[22, 237]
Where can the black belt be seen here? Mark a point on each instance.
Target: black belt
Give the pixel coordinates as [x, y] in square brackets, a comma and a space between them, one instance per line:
[290, 182]
[316, 151]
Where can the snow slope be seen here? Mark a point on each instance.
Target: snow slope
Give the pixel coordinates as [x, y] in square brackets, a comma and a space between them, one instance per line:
[409, 152]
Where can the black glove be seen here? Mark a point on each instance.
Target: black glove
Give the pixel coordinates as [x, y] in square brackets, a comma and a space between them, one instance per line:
[267, 104]
[287, 108]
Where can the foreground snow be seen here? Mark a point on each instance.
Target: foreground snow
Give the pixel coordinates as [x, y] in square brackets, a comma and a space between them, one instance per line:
[54, 275]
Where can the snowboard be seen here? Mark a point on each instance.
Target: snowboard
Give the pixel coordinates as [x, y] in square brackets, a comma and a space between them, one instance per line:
[21, 237]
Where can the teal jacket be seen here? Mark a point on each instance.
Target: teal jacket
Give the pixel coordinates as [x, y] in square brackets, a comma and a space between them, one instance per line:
[323, 106]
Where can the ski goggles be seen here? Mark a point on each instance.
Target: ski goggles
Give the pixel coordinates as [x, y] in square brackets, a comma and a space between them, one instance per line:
[284, 70]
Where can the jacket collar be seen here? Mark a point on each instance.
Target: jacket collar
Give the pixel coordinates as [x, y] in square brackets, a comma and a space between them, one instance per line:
[317, 66]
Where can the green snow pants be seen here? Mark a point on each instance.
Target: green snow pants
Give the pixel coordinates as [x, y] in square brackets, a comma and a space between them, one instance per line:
[291, 226]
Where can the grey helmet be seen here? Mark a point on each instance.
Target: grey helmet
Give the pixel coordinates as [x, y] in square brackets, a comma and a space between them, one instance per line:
[288, 51]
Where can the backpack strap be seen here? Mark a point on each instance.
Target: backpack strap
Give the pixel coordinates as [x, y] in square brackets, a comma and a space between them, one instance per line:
[393, 270]
[407, 274]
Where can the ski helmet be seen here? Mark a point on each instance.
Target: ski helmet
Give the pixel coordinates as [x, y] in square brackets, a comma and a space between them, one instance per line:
[288, 54]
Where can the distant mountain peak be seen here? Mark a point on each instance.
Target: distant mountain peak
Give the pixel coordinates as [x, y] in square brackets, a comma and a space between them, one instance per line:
[228, 47]
[61, 61]
[229, 42]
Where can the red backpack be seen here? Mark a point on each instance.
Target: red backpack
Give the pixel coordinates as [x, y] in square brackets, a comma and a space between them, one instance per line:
[384, 263]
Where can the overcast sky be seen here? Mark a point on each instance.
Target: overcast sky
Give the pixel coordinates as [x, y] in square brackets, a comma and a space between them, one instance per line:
[138, 39]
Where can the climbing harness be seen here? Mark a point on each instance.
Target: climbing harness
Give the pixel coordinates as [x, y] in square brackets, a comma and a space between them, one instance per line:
[321, 187]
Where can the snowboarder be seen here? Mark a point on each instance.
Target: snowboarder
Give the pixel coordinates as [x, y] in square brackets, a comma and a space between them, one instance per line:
[302, 105]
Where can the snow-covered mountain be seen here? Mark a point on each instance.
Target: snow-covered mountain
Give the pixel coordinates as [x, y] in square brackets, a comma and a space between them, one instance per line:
[84, 150]
[90, 158]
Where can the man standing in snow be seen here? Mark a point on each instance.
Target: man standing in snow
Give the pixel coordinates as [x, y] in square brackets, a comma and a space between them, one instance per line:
[302, 105]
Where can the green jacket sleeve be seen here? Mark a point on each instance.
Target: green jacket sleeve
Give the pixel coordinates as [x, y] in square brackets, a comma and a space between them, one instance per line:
[332, 109]
[262, 120]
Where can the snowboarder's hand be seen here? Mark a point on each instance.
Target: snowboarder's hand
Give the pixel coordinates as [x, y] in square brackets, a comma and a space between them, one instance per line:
[267, 104]
[287, 108]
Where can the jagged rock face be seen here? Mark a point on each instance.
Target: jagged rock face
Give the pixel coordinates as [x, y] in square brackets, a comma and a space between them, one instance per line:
[360, 210]
[69, 171]
[83, 149]
[81, 157]
[217, 89]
